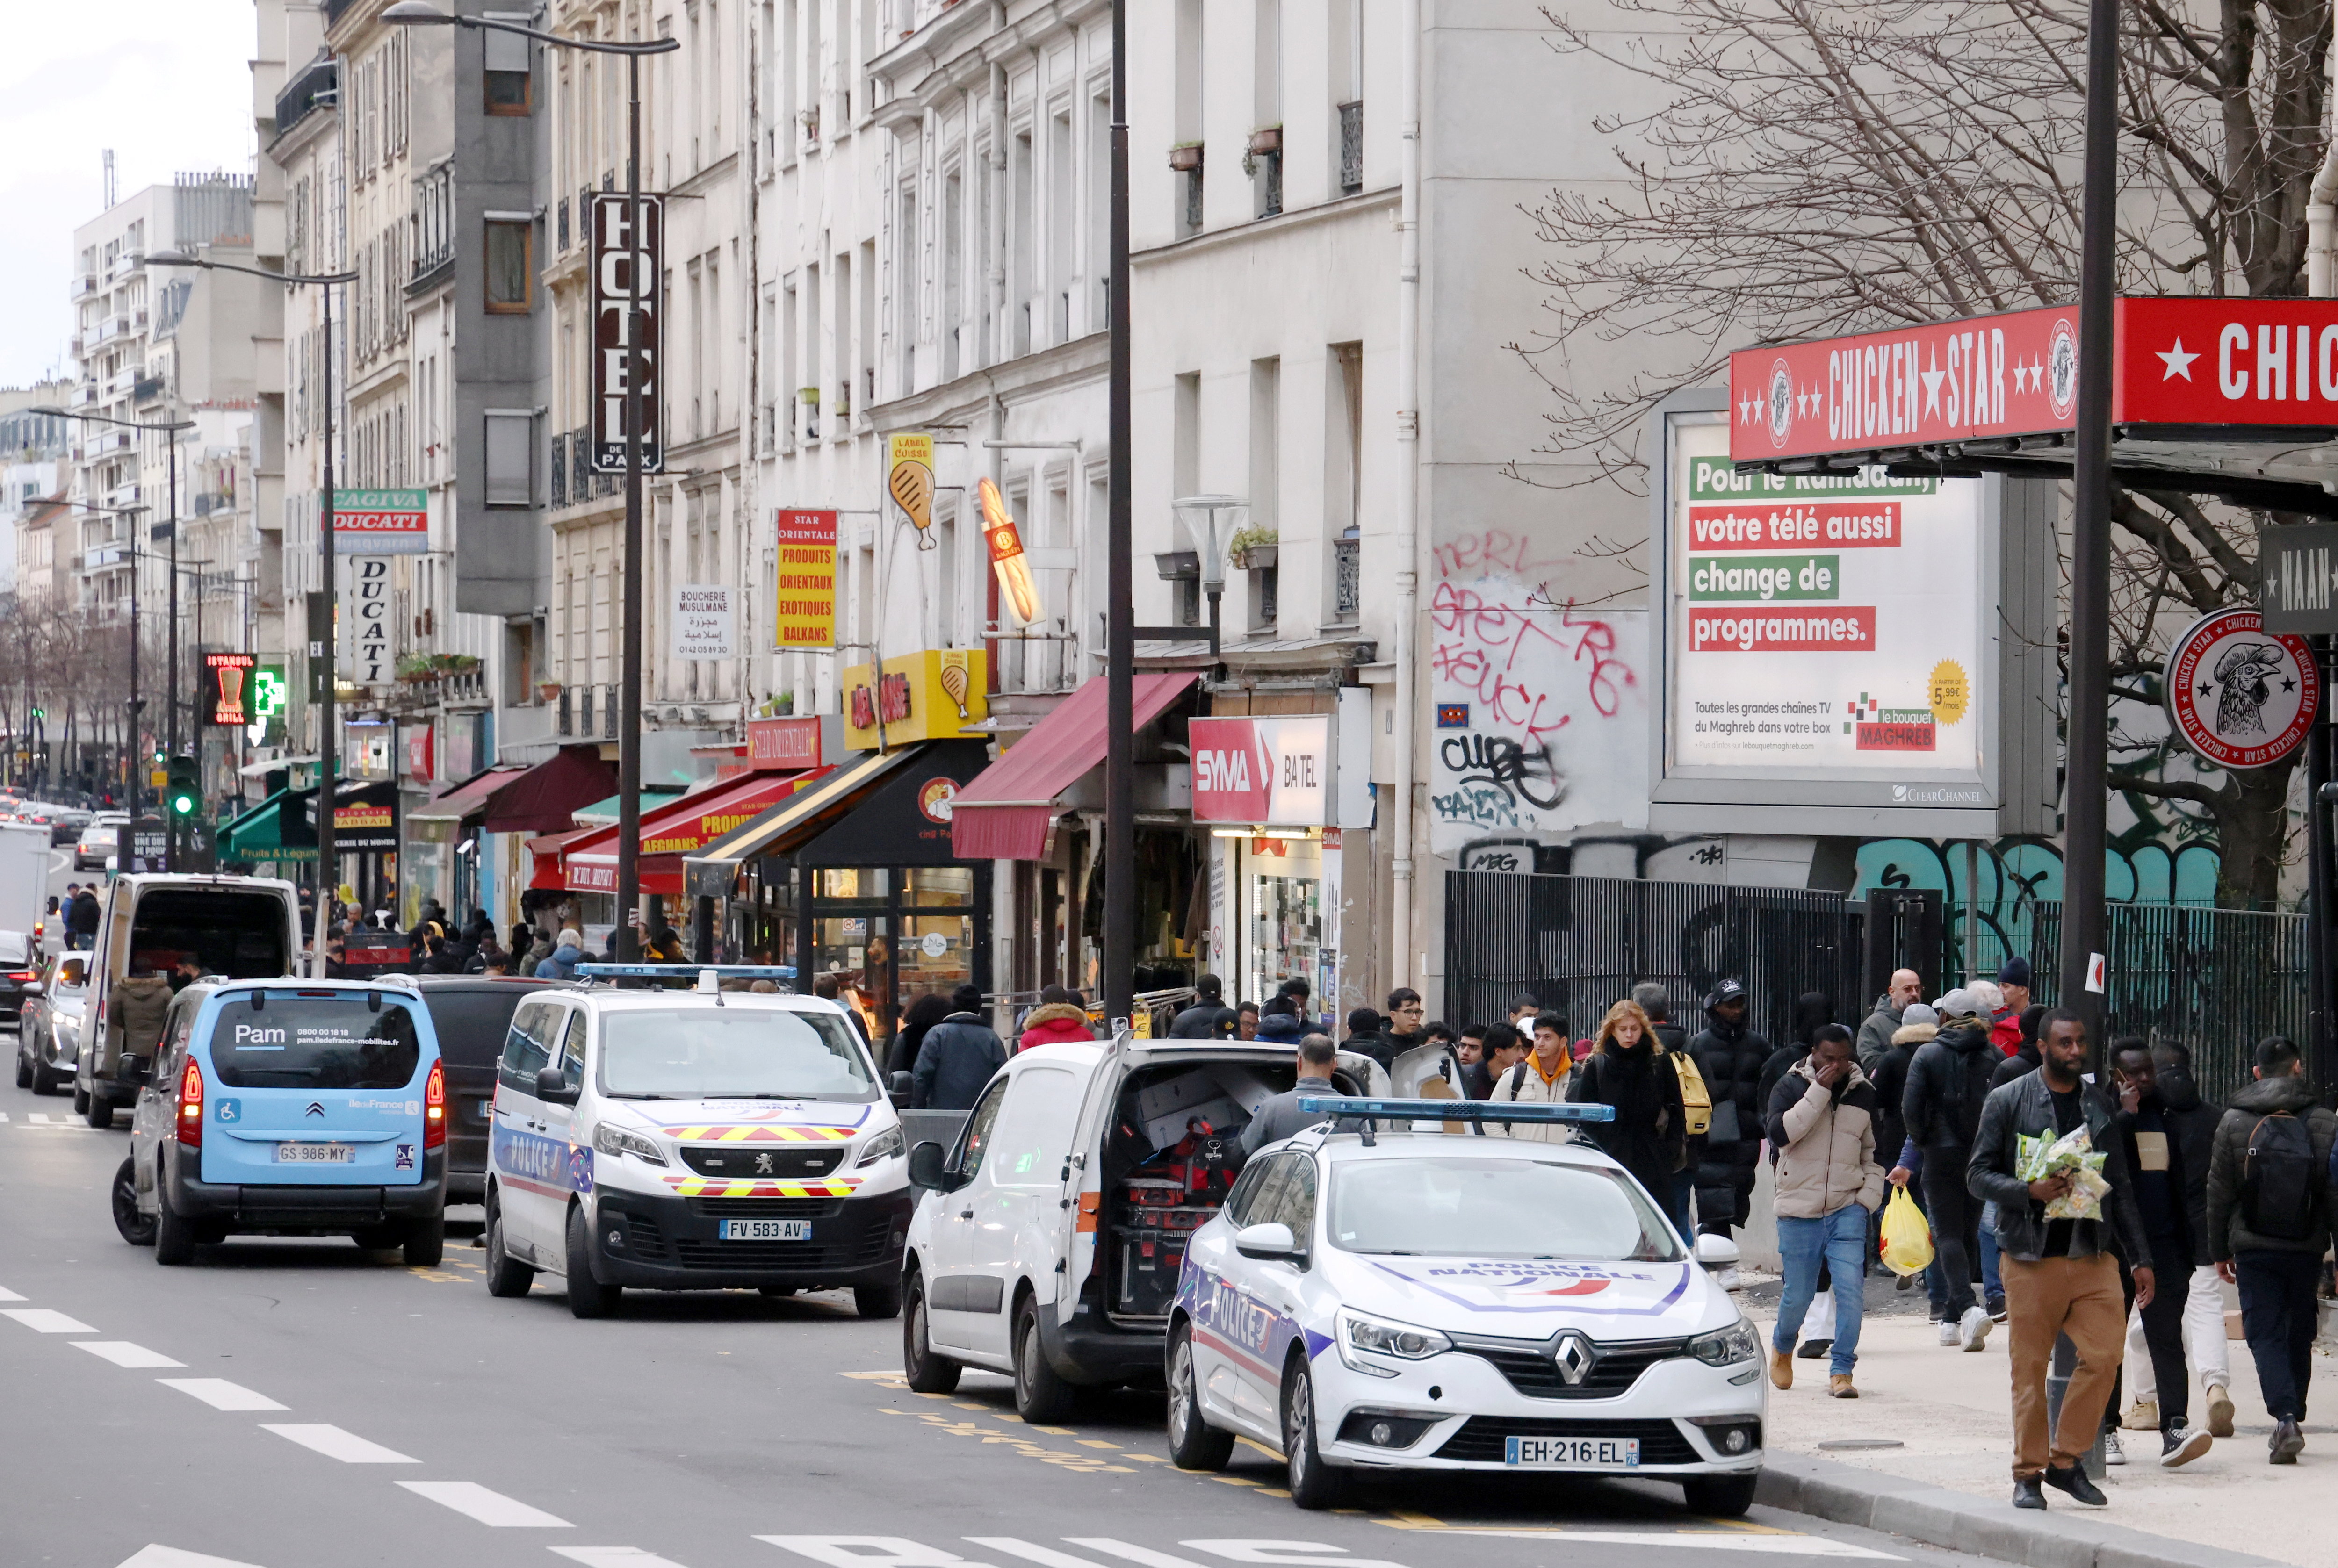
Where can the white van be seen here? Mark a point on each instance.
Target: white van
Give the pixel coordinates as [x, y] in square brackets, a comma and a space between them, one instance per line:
[234, 927]
[1049, 1234]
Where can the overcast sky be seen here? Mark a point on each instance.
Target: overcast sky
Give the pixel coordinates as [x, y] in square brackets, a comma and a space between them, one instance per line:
[166, 84]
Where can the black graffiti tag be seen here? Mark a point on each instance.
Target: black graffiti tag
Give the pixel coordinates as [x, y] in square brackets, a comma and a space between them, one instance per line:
[1499, 760]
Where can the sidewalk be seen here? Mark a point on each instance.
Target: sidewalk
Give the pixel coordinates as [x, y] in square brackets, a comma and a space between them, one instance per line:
[1940, 1417]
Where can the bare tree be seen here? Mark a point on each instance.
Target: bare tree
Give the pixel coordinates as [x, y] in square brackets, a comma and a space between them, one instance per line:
[1806, 168]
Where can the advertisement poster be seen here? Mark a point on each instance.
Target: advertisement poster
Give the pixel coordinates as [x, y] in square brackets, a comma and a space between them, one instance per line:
[703, 621]
[381, 522]
[804, 586]
[621, 291]
[1823, 624]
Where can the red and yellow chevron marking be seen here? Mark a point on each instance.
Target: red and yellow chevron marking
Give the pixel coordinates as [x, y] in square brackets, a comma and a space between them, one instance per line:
[718, 1187]
[760, 1134]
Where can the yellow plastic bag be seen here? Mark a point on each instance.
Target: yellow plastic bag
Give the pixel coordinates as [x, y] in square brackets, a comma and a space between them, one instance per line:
[1907, 1235]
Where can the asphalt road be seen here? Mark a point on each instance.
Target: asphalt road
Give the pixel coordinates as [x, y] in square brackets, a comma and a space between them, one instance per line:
[298, 1404]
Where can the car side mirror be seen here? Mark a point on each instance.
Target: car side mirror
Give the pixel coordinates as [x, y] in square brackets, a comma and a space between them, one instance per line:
[553, 1087]
[1272, 1239]
[1716, 1251]
[130, 1068]
[926, 1165]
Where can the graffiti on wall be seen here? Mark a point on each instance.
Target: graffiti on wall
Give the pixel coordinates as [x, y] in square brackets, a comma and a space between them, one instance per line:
[1538, 719]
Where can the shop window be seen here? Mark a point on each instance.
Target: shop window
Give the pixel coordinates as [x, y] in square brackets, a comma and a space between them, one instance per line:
[510, 265]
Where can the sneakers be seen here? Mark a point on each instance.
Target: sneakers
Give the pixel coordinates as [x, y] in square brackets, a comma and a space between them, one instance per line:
[1907, 1282]
[2073, 1480]
[2114, 1452]
[2144, 1417]
[1814, 1349]
[1947, 1332]
[2180, 1446]
[1781, 1369]
[1840, 1386]
[1997, 1313]
[1971, 1329]
[2029, 1492]
[2220, 1411]
[1727, 1278]
[2286, 1443]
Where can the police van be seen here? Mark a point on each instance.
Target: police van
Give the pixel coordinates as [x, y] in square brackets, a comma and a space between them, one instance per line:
[698, 1140]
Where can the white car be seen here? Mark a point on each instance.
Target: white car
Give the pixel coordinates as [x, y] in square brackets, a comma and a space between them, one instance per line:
[96, 845]
[692, 1140]
[1416, 1300]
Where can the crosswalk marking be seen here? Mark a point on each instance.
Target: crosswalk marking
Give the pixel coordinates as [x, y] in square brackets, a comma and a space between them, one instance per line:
[221, 1394]
[38, 1118]
[614, 1557]
[122, 1353]
[8, 1295]
[41, 1320]
[335, 1443]
[470, 1498]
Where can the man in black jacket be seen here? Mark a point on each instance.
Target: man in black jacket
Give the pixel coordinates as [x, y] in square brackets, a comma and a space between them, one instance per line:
[2059, 1276]
[1948, 1080]
[1729, 1056]
[2192, 1127]
[1656, 1001]
[1207, 1017]
[2147, 1140]
[958, 1056]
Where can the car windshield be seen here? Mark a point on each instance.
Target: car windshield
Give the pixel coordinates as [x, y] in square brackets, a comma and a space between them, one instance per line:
[731, 1053]
[314, 1040]
[1464, 1208]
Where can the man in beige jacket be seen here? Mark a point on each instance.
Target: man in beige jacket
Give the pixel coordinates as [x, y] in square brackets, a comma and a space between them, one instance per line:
[1820, 1120]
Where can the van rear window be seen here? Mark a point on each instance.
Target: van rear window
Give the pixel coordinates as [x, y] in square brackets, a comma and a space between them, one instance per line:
[314, 1043]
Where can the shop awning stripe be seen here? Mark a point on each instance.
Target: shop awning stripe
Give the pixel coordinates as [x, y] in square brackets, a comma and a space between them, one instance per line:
[1003, 814]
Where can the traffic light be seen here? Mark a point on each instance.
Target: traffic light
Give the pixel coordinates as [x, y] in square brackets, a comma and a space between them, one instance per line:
[182, 795]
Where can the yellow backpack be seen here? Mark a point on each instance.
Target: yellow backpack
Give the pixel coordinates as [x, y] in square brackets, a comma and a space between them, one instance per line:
[1696, 1100]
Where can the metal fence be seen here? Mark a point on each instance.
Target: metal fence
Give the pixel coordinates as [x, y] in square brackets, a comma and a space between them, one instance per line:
[1579, 944]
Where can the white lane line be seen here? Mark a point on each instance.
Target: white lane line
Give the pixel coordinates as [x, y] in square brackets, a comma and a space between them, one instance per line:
[470, 1498]
[221, 1394]
[3, 1116]
[8, 1295]
[172, 1557]
[38, 1118]
[614, 1557]
[122, 1353]
[1144, 1555]
[1803, 1545]
[41, 1320]
[1045, 1556]
[335, 1443]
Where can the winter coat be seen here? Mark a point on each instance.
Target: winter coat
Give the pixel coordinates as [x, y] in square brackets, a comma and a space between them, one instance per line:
[134, 1016]
[1204, 1021]
[2192, 1125]
[1947, 1081]
[1054, 1024]
[1875, 1032]
[2122, 1127]
[2024, 1058]
[1285, 1028]
[1645, 1136]
[2024, 1108]
[1731, 1059]
[83, 917]
[2006, 1034]
[957, 1059]
[2228, 1230]
[562, 964]
[1825, 1140]
[1523, 1085]
[1889, 1077]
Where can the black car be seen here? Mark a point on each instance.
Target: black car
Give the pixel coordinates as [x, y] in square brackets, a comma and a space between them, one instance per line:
[18, 969]
[472, 1016]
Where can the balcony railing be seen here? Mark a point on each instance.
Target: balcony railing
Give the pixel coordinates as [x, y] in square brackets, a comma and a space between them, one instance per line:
[300, 96]
[1351, 147]
[574, 483]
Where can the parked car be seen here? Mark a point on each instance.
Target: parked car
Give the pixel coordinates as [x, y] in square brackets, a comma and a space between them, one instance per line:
[48, 1029]
[65, 823]
[473, 1015]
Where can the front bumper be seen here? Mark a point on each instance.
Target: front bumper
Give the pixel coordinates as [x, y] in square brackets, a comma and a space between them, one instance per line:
[664, 1242]
[1458, 1412]
[304, 1211]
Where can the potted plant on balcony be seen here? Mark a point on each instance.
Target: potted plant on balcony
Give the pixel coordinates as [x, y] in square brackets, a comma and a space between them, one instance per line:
[1255, 548]
[414, 668]
[1185, 157]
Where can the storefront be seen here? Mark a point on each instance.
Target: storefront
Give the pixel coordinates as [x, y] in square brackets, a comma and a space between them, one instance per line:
[365, 839]
[540, 803]
[446, 843]
[274, 839]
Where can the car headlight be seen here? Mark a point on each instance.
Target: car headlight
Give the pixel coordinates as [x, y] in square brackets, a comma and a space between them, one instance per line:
[611, 1140]
[886, 1145]
[1726, 1347]
[1402, 1340]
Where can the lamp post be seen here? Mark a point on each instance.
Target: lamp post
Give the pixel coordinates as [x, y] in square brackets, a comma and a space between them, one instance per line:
[419, 13]
[1201, 514]
[320, 651]
[1119, 976]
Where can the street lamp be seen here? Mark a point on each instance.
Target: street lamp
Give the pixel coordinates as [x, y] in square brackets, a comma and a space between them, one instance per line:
[326, 881]
[418, 12]
[1200, 515]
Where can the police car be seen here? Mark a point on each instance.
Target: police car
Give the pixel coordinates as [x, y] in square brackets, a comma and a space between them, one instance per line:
[1391, 1299]
[691, 1140]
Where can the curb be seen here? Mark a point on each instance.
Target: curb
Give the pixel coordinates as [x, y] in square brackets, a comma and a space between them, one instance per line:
[1985, 1528]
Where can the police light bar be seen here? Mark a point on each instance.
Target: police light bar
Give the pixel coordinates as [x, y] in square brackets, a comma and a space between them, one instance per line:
[686, 971]
[1452, 1109]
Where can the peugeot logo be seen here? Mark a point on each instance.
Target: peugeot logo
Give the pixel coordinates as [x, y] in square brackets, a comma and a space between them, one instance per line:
[1575, 1357]
[315, 1108]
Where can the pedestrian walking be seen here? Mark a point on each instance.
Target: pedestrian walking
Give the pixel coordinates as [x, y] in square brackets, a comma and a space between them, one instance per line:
[1505, 1048]
[1058, 1020]
[1625, 1070]
[1821, 1121]
[2268, 1213]
[1246, 1021]
[2154, 1161]
[1207, 1017]
[1538, 1078]
[917, 1023]
[1279, 1115]
[2024, 1057]
[568, 951]
[1948, 1082]
[2192, 1126]
[1696, 1099]
[1729, 1056]
[1919, 1024]
[2059, 1277]
[1875, 1030]
[957, 1057]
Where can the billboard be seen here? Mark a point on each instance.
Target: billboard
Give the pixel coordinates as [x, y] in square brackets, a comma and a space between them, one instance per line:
[930, 695]
[1266, 772]
[381, 522]
[804, 582]
[619, 288]
[363, 657]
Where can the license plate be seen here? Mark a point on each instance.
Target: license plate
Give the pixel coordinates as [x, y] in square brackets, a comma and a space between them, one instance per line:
[314, 1153]
[767, 1229]
[1572, 1453]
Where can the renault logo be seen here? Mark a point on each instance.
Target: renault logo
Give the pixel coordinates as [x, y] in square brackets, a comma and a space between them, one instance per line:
[315, 1108]
[1575, 1357]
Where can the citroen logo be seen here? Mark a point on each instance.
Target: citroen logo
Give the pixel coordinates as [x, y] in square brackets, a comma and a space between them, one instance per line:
[315, 1108]
[1575, 1357]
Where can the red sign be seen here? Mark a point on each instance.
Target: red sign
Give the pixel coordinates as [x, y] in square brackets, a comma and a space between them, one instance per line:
[230, 673]
[2176, 361]
[784, 742]
[2237, 695]
[420, 752]
[1272, 771]
[1836, 525]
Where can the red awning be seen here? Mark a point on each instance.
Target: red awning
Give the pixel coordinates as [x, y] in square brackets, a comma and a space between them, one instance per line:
[544, 798]
[467, 798]
[675, 828]
[546, 850]
[1003, 814]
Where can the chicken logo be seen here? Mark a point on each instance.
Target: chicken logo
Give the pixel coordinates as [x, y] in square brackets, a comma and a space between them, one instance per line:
[2237, 696]
[2240, 679]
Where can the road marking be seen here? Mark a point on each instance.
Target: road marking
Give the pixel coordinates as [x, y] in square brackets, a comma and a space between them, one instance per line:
[1808, 1546]
[1094, 1442]
[1274, 1454]
[38, 1118]
[8, 1295]
[172, 1557]
[335, 1443]
[221, 1394]
[470, 1498]
[41, 1320]
[122, 1353]
[1144, 1555]
[3, 1116]
[614, 1557]
[1045, 1556]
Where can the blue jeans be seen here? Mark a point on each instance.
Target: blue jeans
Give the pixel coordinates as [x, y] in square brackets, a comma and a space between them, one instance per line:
[1992, 1288]
[1684, 1185]
[1841, 1239]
